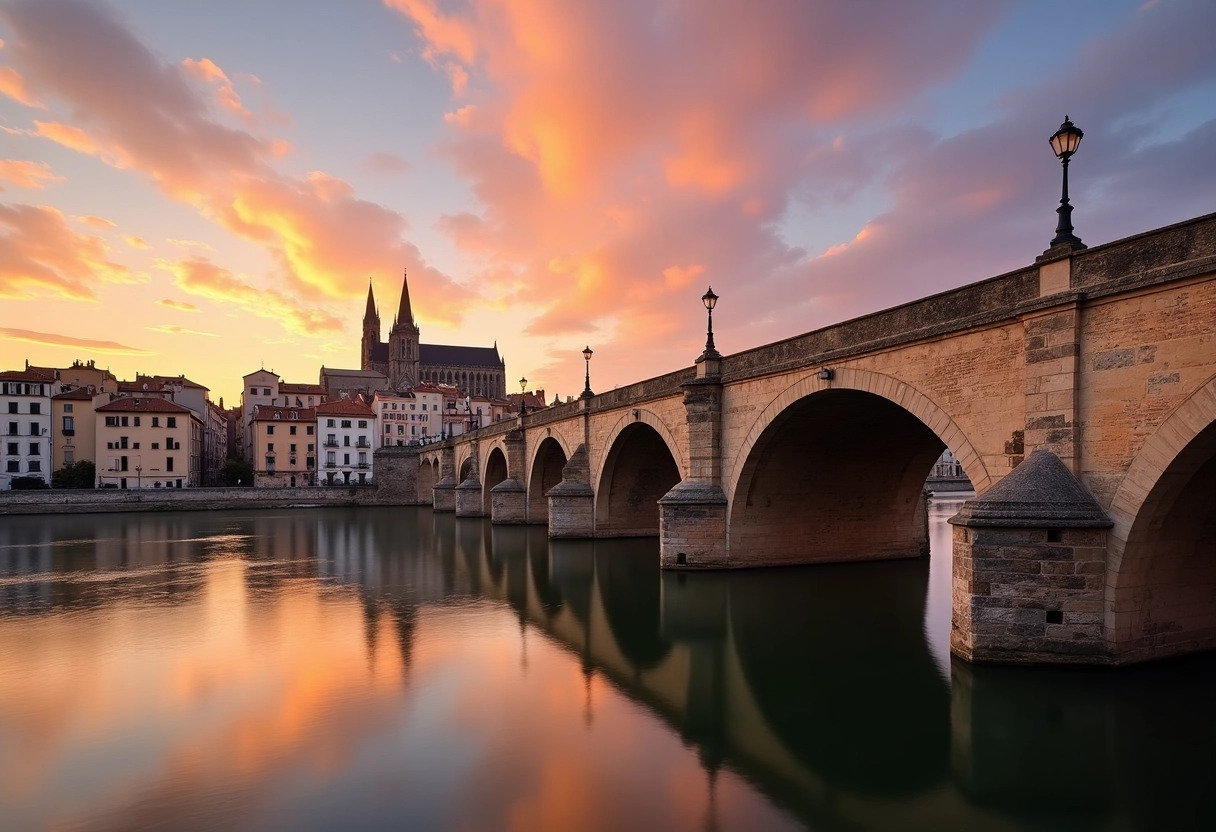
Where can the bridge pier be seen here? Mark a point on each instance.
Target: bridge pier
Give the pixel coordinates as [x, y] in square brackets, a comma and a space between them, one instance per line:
[692, 515]
[509, 502]
[1030, 570]
[468, 491]
[444, 491]
[572, 501]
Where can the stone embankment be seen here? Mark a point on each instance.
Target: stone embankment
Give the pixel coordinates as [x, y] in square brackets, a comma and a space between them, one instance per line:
[86, 501]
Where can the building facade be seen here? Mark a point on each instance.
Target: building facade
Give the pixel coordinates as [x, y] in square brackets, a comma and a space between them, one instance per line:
[25, 401]
[346, 429]
[147, 443]
[73, 426]
[285, 446]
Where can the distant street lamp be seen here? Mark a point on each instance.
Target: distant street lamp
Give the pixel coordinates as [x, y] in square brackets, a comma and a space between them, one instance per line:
[139, 472]
[1064, 142]
[587, 380]
[710, 300]
[523, 407]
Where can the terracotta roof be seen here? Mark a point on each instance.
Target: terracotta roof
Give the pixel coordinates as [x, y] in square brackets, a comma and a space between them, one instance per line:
[50, 372]
[169, 380]
[76, 395]
[345, 407]
[26, 375]
[266, 413]
[315, 389]
[134, 404]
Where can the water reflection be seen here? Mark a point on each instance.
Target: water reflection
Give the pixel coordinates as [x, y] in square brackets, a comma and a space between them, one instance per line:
[395, 668]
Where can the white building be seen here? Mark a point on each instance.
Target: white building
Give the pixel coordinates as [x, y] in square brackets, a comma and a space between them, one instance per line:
[346, 430]
[25, 401]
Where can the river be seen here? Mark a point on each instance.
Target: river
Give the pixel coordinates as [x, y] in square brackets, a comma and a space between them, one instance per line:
[383, 668]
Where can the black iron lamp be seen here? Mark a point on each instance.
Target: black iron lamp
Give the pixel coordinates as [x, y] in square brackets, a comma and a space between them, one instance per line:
[523, 386]
[586, 394]
[1064, 142]
[710, 300]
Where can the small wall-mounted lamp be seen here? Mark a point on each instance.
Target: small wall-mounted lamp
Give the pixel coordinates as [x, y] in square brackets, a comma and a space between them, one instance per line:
[827, 374]
[636, 413]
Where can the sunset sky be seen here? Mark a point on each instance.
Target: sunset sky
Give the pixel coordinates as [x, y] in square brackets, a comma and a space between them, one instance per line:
[206, 188]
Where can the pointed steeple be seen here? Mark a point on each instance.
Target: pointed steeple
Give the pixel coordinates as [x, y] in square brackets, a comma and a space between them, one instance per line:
[369, 314]
[405, 314]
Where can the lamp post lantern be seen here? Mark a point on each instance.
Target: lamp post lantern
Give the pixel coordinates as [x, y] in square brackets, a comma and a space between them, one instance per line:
[710, 300]
[523, 406]
[1064, 142]
[586, 394]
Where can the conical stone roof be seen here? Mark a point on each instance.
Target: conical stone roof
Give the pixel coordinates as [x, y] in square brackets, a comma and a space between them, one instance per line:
[1041, 492]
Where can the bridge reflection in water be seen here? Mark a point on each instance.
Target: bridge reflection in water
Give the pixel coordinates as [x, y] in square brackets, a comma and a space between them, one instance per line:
[817, 685]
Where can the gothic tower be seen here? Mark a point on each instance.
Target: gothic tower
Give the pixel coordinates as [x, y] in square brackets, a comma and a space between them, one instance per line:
[403, 343]
[371, 330]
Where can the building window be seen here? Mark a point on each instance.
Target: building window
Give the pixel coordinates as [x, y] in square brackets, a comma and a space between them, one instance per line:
[12, 407]
[346, 459]
[33, 449]
[122, 420]
[170, 421]
[270, 447]
[308, 430]
[329, 423]
[270, 430]
[292, 430]
[69, 457]
[111, 421]
[35, 408]
[34, 429]
[329, 458]
[155, 421]
[122, 464]
[168, 463]
[346, 423]
[265, 391]
[14, 467]
[346, 441]
[310, 448]
[35, 466]
[67, 407]
[362, 423]
[69, 423]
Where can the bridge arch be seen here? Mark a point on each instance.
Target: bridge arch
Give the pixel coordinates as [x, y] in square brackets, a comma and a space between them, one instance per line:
[428, 475]
[834, 470]
[495, 472]
[639, 464]
[1161, 552]
[545, 471]
[465, 465]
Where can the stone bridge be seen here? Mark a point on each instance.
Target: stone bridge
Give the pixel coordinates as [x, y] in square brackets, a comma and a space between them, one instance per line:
[1078, 393]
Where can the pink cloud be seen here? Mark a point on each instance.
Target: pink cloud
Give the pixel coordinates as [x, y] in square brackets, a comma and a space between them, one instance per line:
[52, 339]
[14, 86]
[325, 239]
[26, 174]
[40, 255]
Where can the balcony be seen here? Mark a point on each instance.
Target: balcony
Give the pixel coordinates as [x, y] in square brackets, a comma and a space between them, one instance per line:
[69, 432]
[330, 443]
[363, 465]
[363, 443]
[331, 465]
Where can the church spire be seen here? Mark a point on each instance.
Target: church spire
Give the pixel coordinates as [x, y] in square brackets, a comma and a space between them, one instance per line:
[405, 314]
[370, 313]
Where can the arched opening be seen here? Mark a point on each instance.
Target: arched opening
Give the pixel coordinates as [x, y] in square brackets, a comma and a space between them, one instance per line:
[546, 473]
[838, 475]
[466, 469]
[638, 470]
[426, 480]
[1165, 585]
[496, 472]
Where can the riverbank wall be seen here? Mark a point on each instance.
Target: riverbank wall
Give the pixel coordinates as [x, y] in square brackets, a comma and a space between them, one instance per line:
[64, 501]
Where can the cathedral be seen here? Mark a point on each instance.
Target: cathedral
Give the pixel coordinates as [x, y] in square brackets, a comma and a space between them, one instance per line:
[475, 371]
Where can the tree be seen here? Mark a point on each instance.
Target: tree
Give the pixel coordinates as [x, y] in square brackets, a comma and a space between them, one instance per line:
[236, 472]
[81, 474]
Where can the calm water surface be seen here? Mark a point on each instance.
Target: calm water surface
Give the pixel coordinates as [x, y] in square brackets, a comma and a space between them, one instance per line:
[391, 668]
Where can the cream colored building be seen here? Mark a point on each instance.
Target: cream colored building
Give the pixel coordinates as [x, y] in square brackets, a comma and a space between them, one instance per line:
[284, 446]
[74, 426]
[346, 429]
[147, 443]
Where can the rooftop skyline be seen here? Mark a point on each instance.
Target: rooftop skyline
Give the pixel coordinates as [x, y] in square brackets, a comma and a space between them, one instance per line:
[206, 189]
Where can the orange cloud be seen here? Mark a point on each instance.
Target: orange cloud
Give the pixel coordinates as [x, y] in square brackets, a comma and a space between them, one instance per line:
[13, 85]
[25, 174]
[41, 255]
[203, 278]
[135, 242]
[96, 222]
[178, 304]
[52, 339]
[207, 71]
[174, 329]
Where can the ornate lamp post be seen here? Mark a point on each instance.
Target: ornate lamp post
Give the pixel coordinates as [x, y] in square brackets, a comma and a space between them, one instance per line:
[587, 381]
[523, 386]
[710, 300]
[1065, 142]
